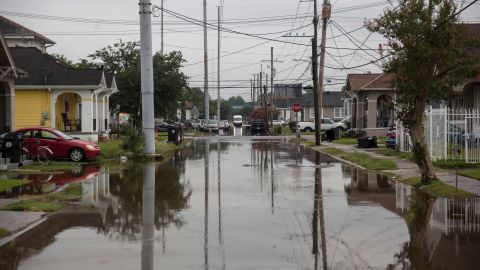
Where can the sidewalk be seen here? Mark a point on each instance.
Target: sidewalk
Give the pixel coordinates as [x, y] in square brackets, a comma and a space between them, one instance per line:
[407, 169]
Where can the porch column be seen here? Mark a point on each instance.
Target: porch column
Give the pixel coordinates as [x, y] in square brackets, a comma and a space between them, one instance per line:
[10, 106]
[107, 110]
[100, 105]
[372, 113]
[94, 113]
[87, 113]
[53, 113]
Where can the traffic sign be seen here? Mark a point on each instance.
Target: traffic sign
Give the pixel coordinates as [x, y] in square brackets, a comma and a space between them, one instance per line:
[296, 107]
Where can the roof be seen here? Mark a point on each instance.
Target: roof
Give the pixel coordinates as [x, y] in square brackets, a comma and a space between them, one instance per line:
[369, 81]
[11, 28]
[474, 30]
[330, 99]
[6, 59]
[44, 69]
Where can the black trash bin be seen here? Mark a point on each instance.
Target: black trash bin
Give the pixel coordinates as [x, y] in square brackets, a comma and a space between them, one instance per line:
[12, 145]
[175, 133]
[367, 142]
[330, 135]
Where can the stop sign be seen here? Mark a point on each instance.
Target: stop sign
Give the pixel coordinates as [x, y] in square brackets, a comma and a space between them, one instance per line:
[296, 107]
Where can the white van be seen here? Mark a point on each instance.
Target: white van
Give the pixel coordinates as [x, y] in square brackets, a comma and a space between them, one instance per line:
[237, 120]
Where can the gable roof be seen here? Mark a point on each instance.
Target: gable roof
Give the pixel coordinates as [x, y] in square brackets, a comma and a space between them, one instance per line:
[330, 99]
[6, 59]
[11, 28]
[369, 81]
[44, 69]
[473, 29]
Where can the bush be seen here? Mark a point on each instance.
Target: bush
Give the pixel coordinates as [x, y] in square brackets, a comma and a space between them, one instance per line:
[278, 130]
[355, 134]
[134, 139]
[293, 126]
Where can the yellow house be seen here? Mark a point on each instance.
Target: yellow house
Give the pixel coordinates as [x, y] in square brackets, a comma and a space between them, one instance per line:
[55, 95]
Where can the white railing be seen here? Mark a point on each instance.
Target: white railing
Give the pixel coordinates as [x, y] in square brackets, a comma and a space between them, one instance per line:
[450, 134]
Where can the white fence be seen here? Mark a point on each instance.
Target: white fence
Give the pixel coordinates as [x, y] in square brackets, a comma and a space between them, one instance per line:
[451, 134]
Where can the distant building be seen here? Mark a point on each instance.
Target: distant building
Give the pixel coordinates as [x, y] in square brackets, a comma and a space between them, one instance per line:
[332, 106]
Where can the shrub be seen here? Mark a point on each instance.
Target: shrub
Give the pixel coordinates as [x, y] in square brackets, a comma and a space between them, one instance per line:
[134, 139]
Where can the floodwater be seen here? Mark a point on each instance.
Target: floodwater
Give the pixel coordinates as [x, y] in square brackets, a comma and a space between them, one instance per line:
[247, 203]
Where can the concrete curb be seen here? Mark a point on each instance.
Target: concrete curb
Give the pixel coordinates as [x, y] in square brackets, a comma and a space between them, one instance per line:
[32, 225]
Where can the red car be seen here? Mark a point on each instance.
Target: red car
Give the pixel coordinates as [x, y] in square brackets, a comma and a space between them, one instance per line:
[61, 144]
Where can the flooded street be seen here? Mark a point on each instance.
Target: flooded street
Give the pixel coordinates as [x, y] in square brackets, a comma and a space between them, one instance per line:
[246, 203]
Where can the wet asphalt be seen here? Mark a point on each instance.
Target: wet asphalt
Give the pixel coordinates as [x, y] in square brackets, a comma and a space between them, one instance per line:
[248, 203]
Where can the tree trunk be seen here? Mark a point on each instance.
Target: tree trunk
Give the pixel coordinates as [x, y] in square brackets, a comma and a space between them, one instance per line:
[421, 154]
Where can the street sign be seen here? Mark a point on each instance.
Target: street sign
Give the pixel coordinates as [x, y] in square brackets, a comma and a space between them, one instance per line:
[296, 107]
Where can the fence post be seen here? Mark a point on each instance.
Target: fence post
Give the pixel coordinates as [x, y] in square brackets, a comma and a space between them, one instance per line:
[445, 134]
[465, 136]
[430, 132]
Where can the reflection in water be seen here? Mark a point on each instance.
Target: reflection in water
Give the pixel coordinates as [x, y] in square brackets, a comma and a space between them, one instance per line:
[148, 215]
[443, 232]
[205, 240]
[318, 216]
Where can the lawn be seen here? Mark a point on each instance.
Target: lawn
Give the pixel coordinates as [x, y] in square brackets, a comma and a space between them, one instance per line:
[353, 141]
[362, 159]
[6, 184]
[472, 173]
[394, 153]
[32, 205]
[439, 189]
[4, 233]
[52, 167]
[73, 192]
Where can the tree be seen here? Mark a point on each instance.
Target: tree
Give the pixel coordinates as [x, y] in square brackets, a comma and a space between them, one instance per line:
[236, 101]
[226, 109]
[429, 57]
[123, 59]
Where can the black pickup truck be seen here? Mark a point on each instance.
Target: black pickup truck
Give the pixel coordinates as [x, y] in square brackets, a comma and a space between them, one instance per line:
[258, 127]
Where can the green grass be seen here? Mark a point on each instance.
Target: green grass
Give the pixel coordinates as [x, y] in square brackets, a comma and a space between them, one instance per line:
[439, 189]
[472, 173]
[350, 141]
[6, 184]
[362, 159]
[71, 193]
[451, 164]
[111, 149]
[394, 153]
[32, 205]
[54, 166]
[4, 233]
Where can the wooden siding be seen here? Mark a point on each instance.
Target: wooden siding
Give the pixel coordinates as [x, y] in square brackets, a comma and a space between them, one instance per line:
[29, 105]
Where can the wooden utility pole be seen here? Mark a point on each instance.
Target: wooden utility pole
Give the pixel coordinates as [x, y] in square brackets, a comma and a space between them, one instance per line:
[265, 105]
[318, 73]
[326, 11]
[316, 98]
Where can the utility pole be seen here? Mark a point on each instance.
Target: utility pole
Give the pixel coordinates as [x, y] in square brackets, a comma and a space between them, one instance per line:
[205, 62]
[218, 67]
[265, 105]
[145, 11]
[161, 48]
[271, 83]
[251, 92]
[316, 98]
[254, 98]
[326, 11]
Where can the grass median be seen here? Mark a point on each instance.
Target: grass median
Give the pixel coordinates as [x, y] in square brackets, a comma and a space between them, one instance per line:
[4, 233]
[362, 159]
[438, 189]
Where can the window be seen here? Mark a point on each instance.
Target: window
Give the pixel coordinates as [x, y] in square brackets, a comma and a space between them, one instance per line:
[312, 113]
[338, 112]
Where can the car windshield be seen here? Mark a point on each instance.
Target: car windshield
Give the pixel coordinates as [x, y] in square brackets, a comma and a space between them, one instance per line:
[237, 118]
[213, 122]
[63, 135]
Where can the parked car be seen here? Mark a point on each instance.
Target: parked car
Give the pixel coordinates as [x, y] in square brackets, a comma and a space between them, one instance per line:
[211, 125]
[237, 120]
[278, 122]
[163, 127]
[258, 127]
[201, 124]
[327, 124]
[194, 124]
[391, 139]
[61, 144]
[224, 124]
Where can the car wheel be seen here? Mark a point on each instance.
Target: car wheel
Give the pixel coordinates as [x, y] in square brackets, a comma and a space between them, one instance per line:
[76, 154]
[307, 129]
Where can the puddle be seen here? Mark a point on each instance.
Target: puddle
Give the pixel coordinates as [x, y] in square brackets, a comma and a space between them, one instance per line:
[249, 205]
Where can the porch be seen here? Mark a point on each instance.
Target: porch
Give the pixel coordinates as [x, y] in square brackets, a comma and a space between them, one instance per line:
[373, 112]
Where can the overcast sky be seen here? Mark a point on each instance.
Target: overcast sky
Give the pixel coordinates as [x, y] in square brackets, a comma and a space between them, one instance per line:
[259, 17]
